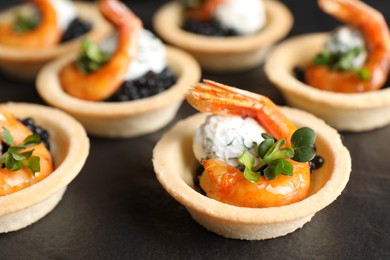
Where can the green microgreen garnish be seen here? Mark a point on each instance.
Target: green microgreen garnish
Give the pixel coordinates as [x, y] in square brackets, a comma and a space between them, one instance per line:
[24, 23]
[342, 61]
[363, 74]
[15, 157]
[91, 57]
[272, 155]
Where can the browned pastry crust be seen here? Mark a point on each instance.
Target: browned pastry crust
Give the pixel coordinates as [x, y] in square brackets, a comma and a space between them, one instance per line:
[175, 166]
[24, 64]
[122, 119]
[224, 53]
[69, 148]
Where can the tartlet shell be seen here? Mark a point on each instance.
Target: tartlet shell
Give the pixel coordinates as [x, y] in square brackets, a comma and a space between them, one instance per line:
[122, 119]
[69, 148]
[24, 64]
[344, 111]
[175, 167]
[221, 54]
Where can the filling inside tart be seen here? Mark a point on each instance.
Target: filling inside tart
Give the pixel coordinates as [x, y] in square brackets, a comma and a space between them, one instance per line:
[251, 154]
[25, 158]
[223, 17]
[129, 65]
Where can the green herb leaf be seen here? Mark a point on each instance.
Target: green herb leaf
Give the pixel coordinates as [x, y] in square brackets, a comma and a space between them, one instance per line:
[91, 57]
[14, 159]
[302, 142]
[33, 164]
[31, 140]
[12, 164]
[338, 60]
[265, 146]
[267, 136]
[24, 24]
[272, 158]
[323, 58]
[22, 156]
[248, 161]
[6, 137]
[363, 74]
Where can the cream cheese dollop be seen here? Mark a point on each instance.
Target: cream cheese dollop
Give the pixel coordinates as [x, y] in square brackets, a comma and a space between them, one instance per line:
[344, 39]
[150, 56]
[244, 16]
[66, 12]
[226, 138]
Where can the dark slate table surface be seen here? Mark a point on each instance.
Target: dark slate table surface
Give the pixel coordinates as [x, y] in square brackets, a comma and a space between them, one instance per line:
[116, 209]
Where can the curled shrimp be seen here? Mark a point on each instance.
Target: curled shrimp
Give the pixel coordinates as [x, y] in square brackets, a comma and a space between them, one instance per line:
[45, 34]
[226, 183]
[376, 34]
[206, 11]
[102, 83]
[12, 181]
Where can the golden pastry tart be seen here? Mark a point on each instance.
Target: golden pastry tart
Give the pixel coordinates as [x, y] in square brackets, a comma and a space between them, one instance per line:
[121, 119]
[175, 166]
[24, 64]
[351, 112]
[224, 53]
[69, 149]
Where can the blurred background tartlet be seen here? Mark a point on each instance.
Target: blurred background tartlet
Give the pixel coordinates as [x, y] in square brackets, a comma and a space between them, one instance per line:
[220, 53]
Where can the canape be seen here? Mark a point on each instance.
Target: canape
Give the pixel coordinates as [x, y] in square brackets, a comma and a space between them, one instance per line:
[69, 148]
[118, 99]
[344, 87]
[233, 53]
[24, 63]
[175, 163]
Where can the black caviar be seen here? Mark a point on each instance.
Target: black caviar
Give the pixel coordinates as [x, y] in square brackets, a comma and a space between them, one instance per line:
[198, 173]
[316, 163]
[211, 28]
[75, 29]
[30, 124]
[145, 86]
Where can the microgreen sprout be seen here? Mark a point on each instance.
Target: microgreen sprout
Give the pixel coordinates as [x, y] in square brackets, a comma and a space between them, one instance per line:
[342, 62]
[16, 156]
[91, 57]
[273, 154]
[24, 24]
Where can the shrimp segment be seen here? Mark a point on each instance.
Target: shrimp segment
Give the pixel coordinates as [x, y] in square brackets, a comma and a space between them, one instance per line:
[376, 34]
[46, 33]
[102, 83]
[12, 181]
[226, 183]
[206, 11]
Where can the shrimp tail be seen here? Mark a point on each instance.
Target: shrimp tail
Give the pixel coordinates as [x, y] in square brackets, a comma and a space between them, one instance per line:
[362, 16]
[217, 98]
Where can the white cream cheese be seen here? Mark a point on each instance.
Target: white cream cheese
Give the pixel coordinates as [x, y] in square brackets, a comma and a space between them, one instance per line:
[244, 16]
[344, 39]
[226, 138]
[151, 54]
[66, 12]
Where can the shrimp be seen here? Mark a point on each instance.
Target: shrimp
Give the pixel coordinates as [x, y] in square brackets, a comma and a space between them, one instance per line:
[12, 181]
[226, 183]
[376, 34]
[102, 83]
[206, 11]
[47, 33]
